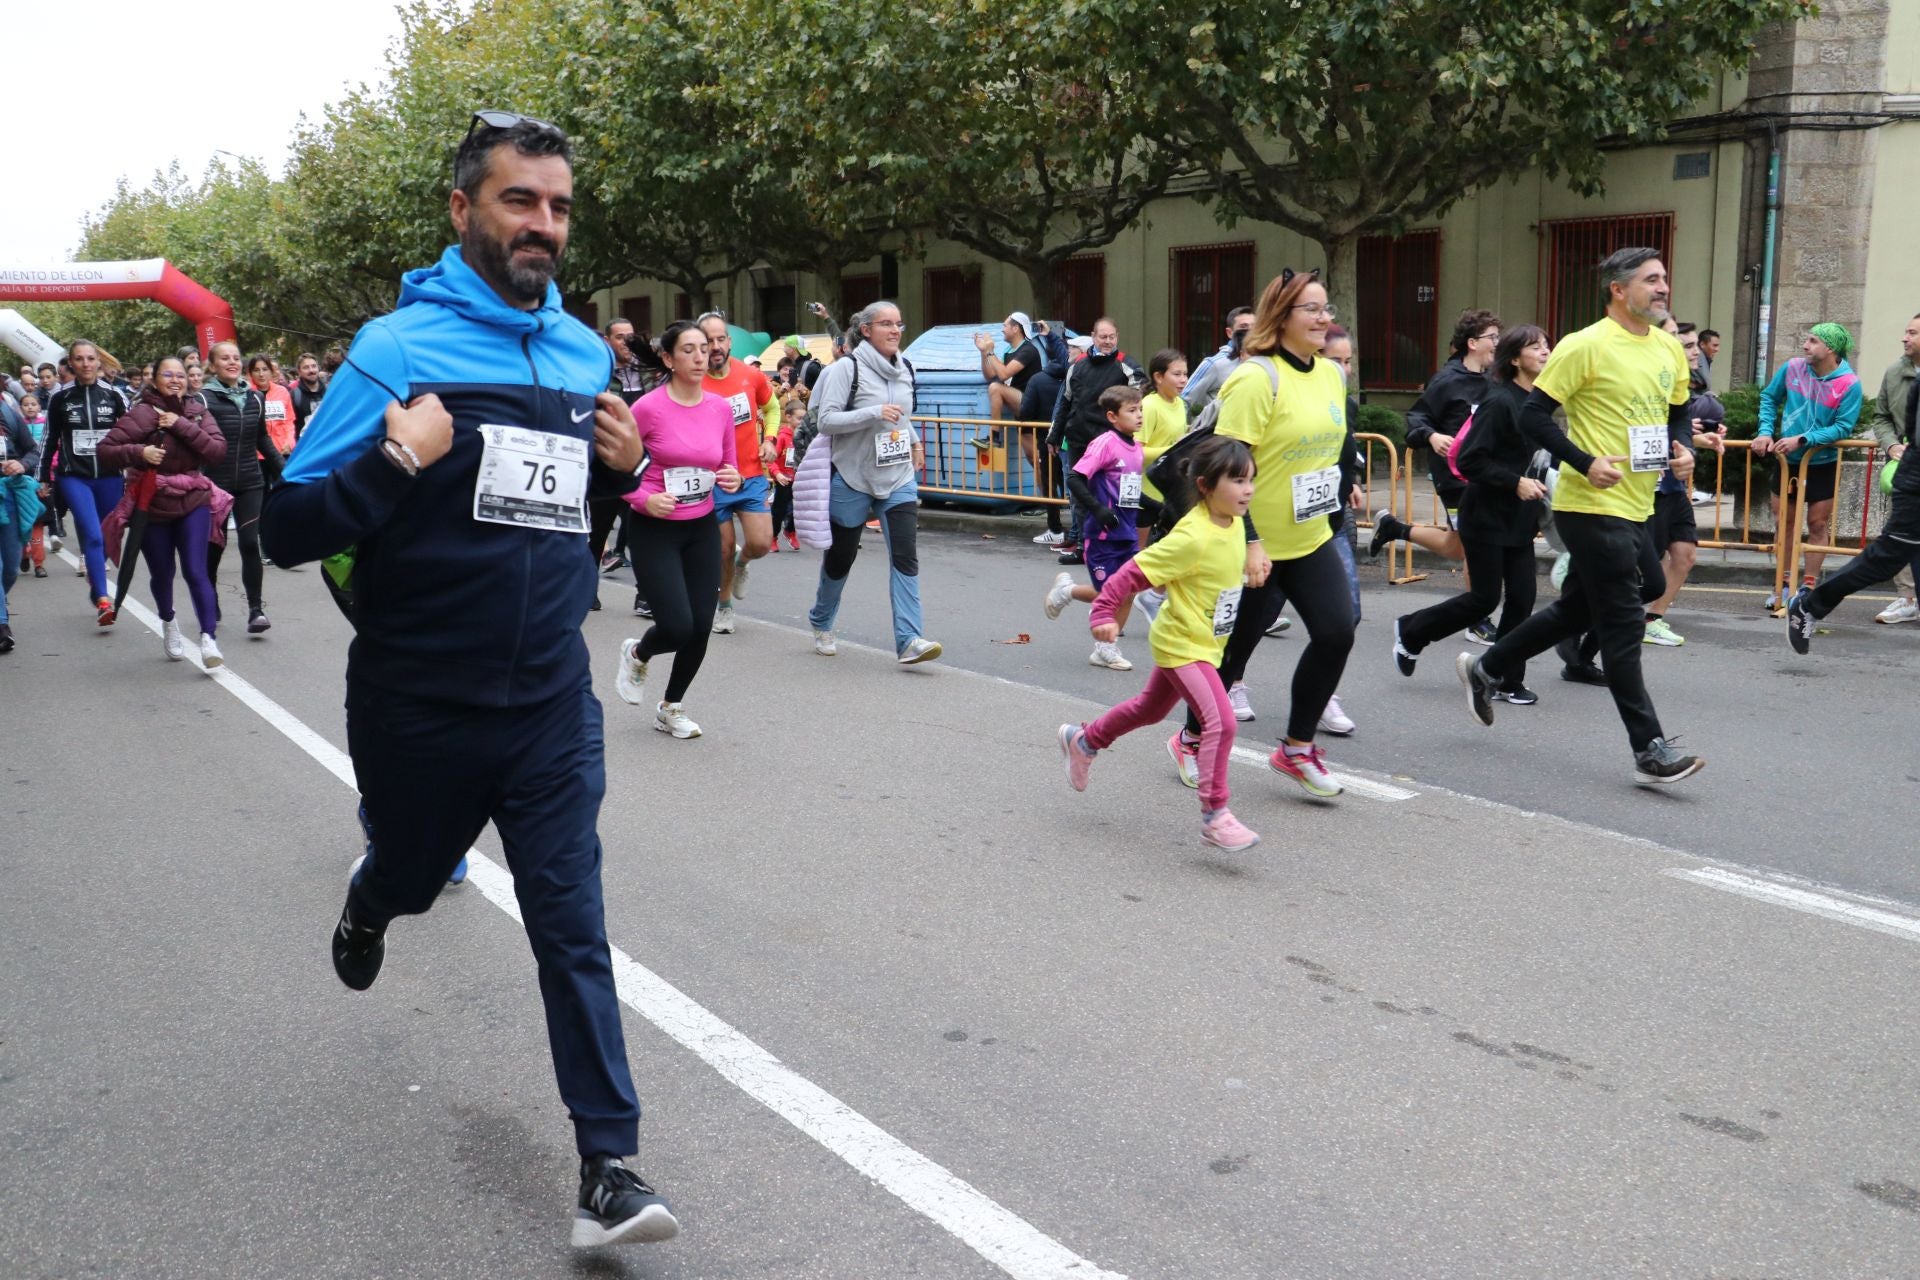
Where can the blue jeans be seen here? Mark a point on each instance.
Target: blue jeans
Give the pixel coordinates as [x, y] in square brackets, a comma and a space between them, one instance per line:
[848, 510]
[9, 549]
[91, 501]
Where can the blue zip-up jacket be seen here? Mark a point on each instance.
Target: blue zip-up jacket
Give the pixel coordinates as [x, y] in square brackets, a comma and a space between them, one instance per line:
[446, 606]
[1799, 402]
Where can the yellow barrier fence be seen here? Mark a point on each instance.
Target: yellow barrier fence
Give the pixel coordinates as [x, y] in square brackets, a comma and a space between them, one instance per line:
[1792, 564]
[982, 458]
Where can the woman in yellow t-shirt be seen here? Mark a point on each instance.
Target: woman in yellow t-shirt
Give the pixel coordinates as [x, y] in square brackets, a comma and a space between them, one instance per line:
[1201, 564]
[1290, 407]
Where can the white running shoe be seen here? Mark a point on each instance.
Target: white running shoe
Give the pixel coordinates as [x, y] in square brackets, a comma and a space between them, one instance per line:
[723, 620]
[1107, 654]
[1901, 610]
[670, 717]
[823, 644]
[919, 649]
[1242, 704]
[210, 653]
[631, 674]
[1558, 575]
[739, 577]
[1150, 601]
[171, 641]
[54, 543]
[1335, 720]
[1701, 498]
[1059, 595]
[1049, 538]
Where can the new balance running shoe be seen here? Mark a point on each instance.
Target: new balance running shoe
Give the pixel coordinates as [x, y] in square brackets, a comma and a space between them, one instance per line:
[1660, 765]
[358, 950]
[618, 1207]
[1799, 622]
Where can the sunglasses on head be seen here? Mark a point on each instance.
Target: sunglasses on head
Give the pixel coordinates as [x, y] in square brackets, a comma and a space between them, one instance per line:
[506, 120]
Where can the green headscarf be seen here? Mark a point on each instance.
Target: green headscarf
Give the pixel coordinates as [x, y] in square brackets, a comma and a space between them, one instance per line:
[1835, 336]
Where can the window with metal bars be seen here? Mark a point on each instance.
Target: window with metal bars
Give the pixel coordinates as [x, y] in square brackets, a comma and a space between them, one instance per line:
[953, 295]
[1207, 283]
[1080, 291]
[1570, 252]
[1399, 310]
[860, 291]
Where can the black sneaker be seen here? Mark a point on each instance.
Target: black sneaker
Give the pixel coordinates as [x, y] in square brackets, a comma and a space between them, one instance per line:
[357, 951]
[1660, 764]
[1385, 530]
[641, 609]
[593, 606]
[618, 1207]
[1482, 632]
[1071, 557]
[1519, 696]
[612, 562]
[1584, 673]
[6, 638]
[1479, 688]
[1799, 622]
[257, 622]
[1403, 657]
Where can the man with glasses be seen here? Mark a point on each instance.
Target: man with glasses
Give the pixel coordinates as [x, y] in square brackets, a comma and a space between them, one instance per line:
[1211, 373]
[453, 458]
[756, 423]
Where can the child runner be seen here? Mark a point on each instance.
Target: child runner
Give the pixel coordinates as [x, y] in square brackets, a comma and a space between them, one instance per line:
[1106, 483]
[37, 545]
[1163, 421]
[1201, 564]
[792, 411]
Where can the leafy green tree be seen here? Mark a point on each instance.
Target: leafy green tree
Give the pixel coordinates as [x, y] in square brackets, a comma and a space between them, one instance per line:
[1343, 118]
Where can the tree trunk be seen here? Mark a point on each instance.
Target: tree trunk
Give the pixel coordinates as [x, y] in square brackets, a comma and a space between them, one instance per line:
[1040, 277]
[1342, 278]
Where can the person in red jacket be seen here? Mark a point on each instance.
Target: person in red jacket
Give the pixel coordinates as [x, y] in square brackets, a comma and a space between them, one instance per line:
[781, 472]
[167, 433]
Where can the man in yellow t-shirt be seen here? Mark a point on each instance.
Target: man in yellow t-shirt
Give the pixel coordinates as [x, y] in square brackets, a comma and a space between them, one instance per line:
[1623, 383]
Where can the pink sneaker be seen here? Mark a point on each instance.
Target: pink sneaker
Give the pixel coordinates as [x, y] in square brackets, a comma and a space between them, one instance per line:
[1227, 832]
[1308, 769]
[1073, 745]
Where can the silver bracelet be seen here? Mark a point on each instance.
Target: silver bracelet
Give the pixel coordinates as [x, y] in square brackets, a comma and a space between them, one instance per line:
[412, 457]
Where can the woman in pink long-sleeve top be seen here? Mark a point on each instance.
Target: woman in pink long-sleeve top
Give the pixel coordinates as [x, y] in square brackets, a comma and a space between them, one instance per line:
[171, 435]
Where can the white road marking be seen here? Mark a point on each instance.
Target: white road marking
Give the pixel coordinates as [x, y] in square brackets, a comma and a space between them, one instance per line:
[1831, 906]
[1246, 755]
[997, 1234]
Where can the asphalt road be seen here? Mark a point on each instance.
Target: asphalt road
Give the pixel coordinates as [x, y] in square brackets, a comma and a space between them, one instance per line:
[1491, 1013]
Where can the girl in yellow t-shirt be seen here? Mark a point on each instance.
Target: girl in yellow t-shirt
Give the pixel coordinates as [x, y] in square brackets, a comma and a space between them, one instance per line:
[1201, 564]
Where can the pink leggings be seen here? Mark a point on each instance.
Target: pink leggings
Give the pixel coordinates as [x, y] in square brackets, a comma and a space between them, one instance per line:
[1199, 684]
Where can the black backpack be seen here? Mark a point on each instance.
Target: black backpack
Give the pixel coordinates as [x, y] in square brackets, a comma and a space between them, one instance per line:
[1169, 472]
[810, 424]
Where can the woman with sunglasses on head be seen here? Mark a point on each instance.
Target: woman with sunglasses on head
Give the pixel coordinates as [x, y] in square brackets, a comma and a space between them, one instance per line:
[1289, 406]
[252, 462]
[170, 433]
[672, 536]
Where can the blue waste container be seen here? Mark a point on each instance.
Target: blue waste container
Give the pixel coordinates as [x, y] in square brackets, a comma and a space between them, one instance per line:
[948, 384]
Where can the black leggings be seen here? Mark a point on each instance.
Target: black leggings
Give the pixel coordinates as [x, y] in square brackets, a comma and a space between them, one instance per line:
[246, 514]
[601, 514]
[1048, 481]
[782, 508]
[1494, 572]
[1317, 585]
[677, 564]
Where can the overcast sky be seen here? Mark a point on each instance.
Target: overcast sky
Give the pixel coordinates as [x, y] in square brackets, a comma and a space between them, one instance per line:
[123, 89]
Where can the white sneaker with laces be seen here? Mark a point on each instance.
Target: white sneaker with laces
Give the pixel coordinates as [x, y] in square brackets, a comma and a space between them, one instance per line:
[1059, 595]
[824, 645]
[671, 717]
[1242, 704]
[1108, 655]
[210, 653]
[723, 620]
[919, 649]
[1048, 538]
[171, 641]
[1335, 720]
[739, 577]
[632, 673]
[54, 543]
[1901, 610]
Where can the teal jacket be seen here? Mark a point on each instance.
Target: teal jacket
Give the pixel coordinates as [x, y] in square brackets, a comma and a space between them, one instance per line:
[1821, 409]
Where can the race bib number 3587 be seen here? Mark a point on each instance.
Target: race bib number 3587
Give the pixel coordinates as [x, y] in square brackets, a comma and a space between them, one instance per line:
[532, 479]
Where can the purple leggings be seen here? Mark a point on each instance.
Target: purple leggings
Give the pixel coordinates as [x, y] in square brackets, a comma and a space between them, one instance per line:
[1199, 684]
[187, 537]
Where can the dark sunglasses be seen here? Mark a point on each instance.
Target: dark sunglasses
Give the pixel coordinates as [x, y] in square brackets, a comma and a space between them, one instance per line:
[506, 120]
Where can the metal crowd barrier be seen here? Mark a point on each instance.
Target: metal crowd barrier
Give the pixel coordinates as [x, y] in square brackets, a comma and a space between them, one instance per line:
[1792, 564]
[984, 458]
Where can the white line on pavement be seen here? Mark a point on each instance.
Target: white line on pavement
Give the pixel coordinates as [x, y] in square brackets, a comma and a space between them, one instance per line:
[997, 1234]
[1246, 755]
[1891, 923]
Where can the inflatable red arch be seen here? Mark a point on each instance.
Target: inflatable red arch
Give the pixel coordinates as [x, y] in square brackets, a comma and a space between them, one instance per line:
[155, 279]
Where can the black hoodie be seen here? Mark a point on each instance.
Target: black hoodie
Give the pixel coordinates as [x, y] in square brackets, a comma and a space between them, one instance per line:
[1450, 396]
[1078, 417]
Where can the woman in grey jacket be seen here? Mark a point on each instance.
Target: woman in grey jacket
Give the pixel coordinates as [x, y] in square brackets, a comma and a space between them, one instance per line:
[866, 407]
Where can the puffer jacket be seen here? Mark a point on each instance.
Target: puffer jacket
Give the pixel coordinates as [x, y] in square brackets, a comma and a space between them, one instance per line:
[190, 445]
[241, 414]
[812, 495]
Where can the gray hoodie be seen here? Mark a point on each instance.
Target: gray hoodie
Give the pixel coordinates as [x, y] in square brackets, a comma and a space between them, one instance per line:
[857, 431]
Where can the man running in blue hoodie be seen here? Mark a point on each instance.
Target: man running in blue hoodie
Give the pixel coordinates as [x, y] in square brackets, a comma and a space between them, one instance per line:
[453, 458]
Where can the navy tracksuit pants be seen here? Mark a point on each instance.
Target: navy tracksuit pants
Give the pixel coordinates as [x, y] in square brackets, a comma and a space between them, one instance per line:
[432, 775]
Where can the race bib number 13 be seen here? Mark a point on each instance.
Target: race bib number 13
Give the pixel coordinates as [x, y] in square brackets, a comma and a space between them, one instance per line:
[532, 479]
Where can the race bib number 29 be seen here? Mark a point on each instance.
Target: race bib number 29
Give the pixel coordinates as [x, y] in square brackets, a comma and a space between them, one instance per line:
[532, 479]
